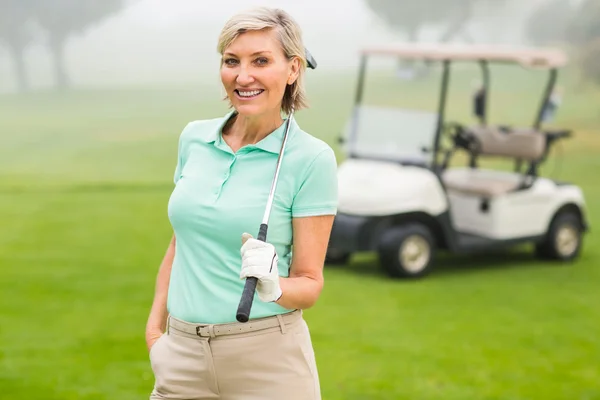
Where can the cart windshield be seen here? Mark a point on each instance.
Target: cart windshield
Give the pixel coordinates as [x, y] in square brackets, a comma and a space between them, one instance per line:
[399, 134]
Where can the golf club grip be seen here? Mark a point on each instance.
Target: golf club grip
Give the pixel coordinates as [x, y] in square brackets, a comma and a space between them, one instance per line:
[262, 232]
[243, 312]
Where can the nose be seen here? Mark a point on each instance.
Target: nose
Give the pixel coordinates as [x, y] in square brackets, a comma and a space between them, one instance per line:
[244, 77]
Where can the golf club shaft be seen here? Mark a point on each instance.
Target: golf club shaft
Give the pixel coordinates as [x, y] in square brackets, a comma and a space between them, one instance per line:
[245, 305]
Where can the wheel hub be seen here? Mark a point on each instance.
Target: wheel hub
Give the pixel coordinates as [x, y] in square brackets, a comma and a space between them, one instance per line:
[567, 240]
[414, 253]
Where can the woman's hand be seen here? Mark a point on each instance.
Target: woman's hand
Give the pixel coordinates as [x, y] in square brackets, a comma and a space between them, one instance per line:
[152, 335]
[259, 260]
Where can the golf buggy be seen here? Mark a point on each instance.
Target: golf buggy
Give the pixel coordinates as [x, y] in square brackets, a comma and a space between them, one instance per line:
[400, 197]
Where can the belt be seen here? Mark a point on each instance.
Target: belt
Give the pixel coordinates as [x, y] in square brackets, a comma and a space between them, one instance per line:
[234, 328]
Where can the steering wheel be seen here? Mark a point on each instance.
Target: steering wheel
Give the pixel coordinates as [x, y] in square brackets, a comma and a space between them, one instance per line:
[460, 138]
[451, 134]
[456, 134]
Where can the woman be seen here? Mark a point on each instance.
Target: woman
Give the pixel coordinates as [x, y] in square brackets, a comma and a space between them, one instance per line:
[222, 181]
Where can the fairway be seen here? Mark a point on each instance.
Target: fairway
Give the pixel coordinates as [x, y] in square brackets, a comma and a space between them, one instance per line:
[84, 182]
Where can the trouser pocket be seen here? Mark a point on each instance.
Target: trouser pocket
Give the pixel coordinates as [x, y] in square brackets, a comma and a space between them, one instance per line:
[183, 368]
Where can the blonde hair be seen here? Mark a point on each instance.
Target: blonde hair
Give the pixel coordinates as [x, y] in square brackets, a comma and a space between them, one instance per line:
[290, 37]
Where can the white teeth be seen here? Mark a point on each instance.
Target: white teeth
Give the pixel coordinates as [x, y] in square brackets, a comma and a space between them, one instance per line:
[249, 94]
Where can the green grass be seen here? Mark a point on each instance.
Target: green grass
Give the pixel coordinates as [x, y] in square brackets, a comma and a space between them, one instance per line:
[84, 182]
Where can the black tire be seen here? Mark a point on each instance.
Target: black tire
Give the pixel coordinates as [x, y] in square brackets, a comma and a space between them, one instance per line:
[336, 256]
[395, 242]
[566, 225]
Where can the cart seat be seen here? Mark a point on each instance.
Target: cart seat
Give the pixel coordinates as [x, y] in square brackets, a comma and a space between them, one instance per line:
[519, 143]
[480, 182]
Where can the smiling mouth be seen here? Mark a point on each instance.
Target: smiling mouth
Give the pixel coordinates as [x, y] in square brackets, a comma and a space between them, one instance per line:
[248, 94]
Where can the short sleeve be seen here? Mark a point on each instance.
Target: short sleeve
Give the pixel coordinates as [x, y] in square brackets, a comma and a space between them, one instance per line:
[181, 155]
[318, 192]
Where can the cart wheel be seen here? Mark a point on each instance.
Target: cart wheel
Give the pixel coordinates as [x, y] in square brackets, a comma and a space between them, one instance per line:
[336, 256]
[407, 251]
[563, 240]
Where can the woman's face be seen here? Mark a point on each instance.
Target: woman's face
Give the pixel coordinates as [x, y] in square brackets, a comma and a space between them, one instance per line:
[255, 73]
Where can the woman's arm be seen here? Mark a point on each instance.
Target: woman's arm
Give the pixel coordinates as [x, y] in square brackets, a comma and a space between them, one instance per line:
[157, 319]
[305, 282]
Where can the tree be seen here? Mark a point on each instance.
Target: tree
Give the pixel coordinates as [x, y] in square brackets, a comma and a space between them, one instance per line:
[406, 16]
[457, 18]
[549, 22]
[409, 17]
[584, 26]
[590, 61]
[61, 19]
[584, 31]
[16, 34]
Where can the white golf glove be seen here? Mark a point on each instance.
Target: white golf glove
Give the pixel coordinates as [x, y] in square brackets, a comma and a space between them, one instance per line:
[259, 260]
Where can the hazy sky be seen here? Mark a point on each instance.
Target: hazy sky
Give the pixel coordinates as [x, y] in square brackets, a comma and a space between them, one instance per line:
[155, 41]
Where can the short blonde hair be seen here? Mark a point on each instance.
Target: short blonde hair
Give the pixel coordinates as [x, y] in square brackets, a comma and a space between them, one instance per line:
[290, 37]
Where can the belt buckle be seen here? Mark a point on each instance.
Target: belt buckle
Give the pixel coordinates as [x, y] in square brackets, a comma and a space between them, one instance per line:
[198, 333]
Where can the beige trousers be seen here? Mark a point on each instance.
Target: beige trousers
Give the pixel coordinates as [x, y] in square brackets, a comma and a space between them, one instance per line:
[267, 359]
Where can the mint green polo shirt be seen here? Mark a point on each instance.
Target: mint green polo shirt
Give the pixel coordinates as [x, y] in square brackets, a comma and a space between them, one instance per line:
[219, 195]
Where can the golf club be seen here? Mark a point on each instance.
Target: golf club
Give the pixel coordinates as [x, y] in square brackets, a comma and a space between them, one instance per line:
[245, 305]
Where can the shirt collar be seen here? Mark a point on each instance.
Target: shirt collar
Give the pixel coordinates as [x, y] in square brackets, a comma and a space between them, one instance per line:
[271, 143]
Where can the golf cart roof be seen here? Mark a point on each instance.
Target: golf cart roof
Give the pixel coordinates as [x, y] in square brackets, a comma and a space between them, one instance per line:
[527, 57]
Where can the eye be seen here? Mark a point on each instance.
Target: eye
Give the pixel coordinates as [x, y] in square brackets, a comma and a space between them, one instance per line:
[230, 61]
[262, 61]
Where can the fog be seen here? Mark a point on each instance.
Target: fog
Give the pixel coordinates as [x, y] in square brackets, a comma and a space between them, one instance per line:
[164, 43]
